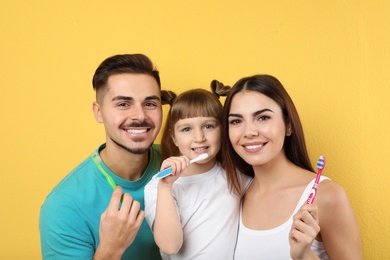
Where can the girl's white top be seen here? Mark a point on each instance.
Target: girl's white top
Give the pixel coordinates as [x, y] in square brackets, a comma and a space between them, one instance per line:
[208, 212]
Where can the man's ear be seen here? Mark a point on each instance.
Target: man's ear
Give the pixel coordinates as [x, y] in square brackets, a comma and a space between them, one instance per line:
[97, 112]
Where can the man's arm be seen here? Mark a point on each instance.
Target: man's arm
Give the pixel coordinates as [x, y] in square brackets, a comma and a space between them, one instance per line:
[63, 232]
[65, 235]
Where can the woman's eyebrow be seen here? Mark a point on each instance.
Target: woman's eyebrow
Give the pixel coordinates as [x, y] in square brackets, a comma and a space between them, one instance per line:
[253, 114]
[261, 111]
[235, 115]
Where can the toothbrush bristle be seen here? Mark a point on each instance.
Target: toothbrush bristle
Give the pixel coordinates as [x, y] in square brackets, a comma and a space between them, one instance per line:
[321, 163]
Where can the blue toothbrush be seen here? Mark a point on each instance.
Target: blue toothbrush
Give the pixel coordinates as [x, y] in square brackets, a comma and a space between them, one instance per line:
[168, 171]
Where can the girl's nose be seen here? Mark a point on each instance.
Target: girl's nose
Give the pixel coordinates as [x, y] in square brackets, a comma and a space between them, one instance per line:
[199, 136]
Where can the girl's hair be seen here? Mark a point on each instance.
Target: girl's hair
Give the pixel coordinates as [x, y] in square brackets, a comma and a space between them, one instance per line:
[294, 144]
[191, 103]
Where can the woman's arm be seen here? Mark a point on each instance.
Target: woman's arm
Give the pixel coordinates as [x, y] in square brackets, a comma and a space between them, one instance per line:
[339, 230]
[339, 227]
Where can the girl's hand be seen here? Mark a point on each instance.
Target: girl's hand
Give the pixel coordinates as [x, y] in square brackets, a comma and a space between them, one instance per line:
[178, 165]
[303, 231]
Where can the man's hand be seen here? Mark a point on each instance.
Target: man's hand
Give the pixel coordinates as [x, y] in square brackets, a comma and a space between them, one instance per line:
[119, 225]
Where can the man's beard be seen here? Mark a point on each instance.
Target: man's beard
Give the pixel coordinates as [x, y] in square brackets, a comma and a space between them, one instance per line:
[133, 151]
[137, 150]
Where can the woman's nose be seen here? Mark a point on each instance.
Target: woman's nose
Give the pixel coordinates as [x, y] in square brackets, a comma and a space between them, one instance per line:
[251, 130]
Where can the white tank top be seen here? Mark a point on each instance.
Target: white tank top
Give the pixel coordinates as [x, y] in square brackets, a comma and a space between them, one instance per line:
[273, 243]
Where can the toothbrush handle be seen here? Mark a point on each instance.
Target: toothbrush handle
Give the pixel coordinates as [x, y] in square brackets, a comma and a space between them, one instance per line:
[312, 194]
[313, 191]
[164, 173]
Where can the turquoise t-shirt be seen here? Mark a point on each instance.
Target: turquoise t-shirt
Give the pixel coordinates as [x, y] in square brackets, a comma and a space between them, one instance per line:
[70, 216]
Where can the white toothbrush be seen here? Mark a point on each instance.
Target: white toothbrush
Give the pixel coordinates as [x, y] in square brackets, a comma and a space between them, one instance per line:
[166, 172]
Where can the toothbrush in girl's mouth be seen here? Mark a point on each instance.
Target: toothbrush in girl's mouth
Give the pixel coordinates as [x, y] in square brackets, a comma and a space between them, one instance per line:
[313, 192]
[166, 172]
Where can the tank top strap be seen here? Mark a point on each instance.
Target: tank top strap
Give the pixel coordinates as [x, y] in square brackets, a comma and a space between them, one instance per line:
[306, 193]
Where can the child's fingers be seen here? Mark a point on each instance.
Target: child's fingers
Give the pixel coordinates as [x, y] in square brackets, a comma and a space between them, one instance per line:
[178, 164]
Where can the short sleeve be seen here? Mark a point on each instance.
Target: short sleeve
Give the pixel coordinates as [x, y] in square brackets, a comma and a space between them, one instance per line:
[64, 234]
[150, 201]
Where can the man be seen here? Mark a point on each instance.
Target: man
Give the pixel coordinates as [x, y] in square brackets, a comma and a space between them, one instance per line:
[83, 218]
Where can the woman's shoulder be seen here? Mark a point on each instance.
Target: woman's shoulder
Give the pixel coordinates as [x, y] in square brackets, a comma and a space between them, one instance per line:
[331, 195]
[328, 191]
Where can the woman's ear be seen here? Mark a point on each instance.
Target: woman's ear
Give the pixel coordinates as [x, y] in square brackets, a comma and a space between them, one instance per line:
[288, 130]
[97, 112]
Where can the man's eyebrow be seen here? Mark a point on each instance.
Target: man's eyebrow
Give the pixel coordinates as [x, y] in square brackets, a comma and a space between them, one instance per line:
[154, 97]
[122, 98]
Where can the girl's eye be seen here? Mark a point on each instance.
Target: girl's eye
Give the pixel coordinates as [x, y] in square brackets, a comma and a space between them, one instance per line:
[209, 126]
[185, 129]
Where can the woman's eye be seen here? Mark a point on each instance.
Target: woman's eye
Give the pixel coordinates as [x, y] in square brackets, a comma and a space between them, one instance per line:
[234, 122]
[263, 118]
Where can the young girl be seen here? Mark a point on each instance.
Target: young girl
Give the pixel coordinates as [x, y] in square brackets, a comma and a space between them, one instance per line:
[194, 216]
[262, 137]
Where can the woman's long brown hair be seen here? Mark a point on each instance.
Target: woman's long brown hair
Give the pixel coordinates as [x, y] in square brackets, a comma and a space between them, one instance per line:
[294, 144]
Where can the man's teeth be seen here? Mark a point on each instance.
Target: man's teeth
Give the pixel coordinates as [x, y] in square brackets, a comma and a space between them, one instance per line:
[134, 131]
[253, 146]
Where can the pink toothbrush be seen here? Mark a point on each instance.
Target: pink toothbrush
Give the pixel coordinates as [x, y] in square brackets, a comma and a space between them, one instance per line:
[313, 192]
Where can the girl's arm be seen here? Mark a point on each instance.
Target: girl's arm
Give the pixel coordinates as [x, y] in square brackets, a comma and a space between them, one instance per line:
[167, 227]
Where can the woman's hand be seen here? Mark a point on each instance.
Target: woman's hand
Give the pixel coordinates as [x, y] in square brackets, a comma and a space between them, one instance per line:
[303, 231]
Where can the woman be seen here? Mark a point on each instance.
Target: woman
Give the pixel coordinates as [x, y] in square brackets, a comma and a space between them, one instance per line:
[263, 138]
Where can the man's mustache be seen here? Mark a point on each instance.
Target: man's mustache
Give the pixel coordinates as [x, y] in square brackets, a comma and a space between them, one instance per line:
[140, 124]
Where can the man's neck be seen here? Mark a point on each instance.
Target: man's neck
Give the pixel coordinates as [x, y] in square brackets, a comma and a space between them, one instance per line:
[124, 164]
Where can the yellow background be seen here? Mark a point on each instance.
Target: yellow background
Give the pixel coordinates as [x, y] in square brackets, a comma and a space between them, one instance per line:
[332, 56]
